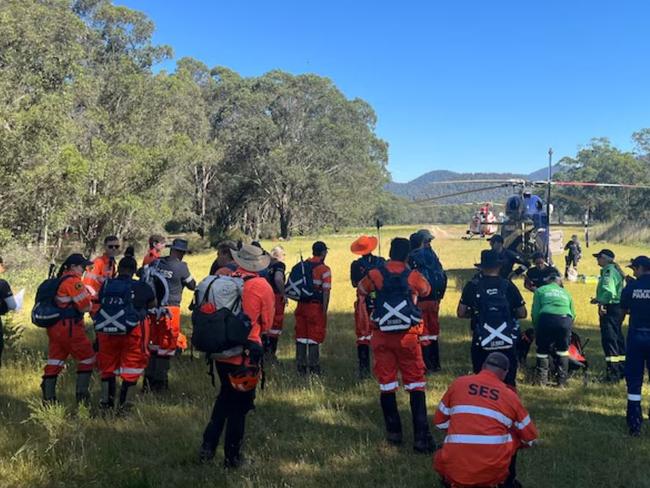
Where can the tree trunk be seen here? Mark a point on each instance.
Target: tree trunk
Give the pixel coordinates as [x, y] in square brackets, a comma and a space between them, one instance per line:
[285, 223]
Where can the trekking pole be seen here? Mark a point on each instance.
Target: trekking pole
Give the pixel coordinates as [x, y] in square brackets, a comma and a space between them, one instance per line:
[379, 225]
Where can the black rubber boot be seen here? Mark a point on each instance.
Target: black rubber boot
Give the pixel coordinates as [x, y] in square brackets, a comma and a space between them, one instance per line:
[48, 388]
[541, 370]
[363, 353]
[392, 419]
[82, 389]
[634, 418]
[314, 359]
[107, 395]
[149, 373]
[126, 397]
[434, 356]
[422, 439]
[301, 358]
[612, 374]
[426, 358]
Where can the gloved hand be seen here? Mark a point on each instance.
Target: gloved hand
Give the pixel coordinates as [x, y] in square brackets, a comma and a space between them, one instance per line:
[255, 352]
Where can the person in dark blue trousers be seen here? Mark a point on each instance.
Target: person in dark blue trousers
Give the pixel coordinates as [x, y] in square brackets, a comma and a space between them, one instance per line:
[635, 301]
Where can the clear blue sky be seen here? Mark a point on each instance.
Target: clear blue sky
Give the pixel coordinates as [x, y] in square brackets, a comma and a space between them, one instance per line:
[459, 85]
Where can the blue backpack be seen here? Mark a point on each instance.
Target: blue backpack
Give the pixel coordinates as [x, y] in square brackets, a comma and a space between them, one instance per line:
[117, 315]
[46, 312]
[395, 310]
[426, 262]
[300, 283]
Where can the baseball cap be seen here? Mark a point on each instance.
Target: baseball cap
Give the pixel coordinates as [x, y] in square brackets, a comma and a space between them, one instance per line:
[640, 261]
[77, 260]
[605, 252]
[318, 247]
[425, 235]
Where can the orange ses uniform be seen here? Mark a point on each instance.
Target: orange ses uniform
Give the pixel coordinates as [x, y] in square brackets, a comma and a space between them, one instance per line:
[68, 337]
[151, 256]
[258, 305]
[311, 325]
[397, 352]
[486, 424]
[103, 268]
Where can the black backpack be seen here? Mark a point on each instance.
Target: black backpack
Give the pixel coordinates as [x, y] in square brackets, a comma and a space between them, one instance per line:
[46, 312]
[496, 329]
[117, 315]
[300, 283]
[217, 330]
[395, 310]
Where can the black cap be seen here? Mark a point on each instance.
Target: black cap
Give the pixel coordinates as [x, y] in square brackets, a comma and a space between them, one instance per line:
[498, 360]
[496, 238]
[425, 235]
[489, 259]
[538, 255]
[77, 260]
[318, 248]
[640, 262]
[179, 245]
[605, 252]
[552, 275]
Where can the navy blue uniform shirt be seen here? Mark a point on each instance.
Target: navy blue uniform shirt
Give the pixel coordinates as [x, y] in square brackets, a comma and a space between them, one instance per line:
[636, 300]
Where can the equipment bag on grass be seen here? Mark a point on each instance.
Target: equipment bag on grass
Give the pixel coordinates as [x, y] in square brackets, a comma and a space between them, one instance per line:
[496, 327]
[46, 312]
[117, 314]
[218, 323]
[300, 283]
[395, 310]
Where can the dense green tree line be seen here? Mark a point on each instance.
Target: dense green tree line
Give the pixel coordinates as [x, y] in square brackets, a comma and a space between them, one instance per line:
[94, 141]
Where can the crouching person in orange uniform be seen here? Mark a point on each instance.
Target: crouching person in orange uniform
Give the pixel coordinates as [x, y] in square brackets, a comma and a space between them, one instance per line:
[395, 346]
[311, 314]
[486, 425]
[67, 337]
[239, 368]
[121, 333]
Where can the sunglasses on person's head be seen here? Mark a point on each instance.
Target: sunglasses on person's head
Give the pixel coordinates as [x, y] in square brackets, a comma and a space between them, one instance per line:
[113, 246]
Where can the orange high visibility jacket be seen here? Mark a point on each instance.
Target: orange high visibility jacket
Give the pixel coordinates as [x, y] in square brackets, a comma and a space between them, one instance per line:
[486, 424]
[72, 293]
[151, 256]
[102, 269]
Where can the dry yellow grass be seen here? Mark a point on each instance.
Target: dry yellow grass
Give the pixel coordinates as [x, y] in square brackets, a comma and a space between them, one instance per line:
[305, 433]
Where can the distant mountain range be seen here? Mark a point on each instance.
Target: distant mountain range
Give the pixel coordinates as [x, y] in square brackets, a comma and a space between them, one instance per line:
[424, 186]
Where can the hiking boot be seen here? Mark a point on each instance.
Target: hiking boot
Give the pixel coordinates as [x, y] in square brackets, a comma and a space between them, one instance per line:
[237, 462]
[424, 445]
[48, 388]
[206, 453]
[82, 388]
[394, 438]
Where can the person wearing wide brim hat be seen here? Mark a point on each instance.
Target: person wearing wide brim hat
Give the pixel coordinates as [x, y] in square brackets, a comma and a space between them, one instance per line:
[363, 246]
[635, 301]
[179, 245]
[251, 258]
[166, 334]
[489, 260]
[234, 401]
[608, 298]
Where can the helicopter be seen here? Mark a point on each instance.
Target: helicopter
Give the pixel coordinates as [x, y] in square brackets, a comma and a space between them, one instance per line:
[526, 223]
[482, 223]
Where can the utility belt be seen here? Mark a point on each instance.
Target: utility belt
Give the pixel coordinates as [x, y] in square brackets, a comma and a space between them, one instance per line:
[227, 354]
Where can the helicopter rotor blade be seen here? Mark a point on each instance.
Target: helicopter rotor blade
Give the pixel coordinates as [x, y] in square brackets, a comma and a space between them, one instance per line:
[459, 193]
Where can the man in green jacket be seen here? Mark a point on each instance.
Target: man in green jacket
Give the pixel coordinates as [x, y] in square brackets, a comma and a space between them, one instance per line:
[608, 298]
[553, 315]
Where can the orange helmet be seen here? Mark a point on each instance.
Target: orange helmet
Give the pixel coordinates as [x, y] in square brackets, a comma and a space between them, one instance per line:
[245, 378]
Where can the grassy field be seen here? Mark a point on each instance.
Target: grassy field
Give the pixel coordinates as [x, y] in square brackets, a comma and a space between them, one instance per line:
[305, 433]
